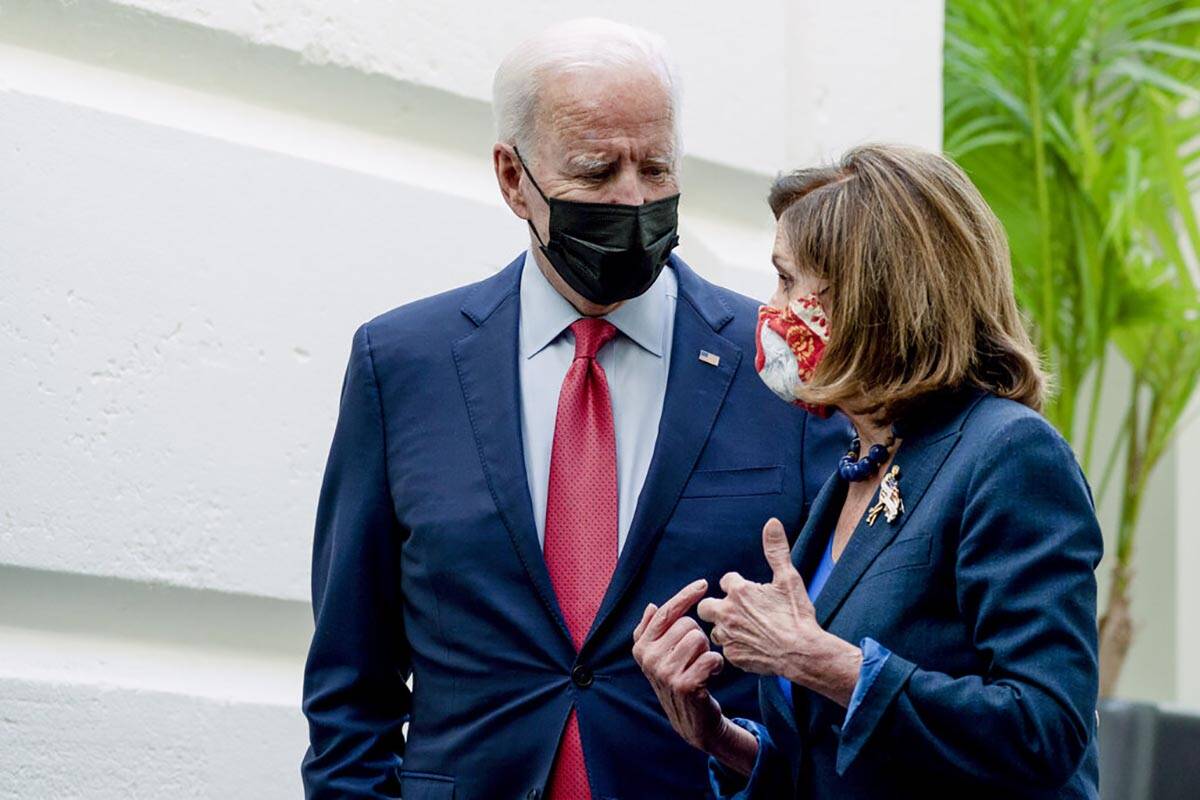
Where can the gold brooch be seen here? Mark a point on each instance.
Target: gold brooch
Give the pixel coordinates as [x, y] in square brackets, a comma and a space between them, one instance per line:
[890, 501]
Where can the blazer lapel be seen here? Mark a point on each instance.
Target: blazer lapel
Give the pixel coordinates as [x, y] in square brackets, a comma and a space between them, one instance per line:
[695, 391]
[926, 442]
[487, 366]
[780, 721]
[822, 518]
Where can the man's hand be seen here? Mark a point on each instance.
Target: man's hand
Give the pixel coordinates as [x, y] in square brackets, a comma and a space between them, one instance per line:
[675, 655]
[771, 628]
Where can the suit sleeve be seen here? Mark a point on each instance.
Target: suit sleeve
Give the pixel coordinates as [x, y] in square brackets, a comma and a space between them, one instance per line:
[355, 696]
[1025, 582]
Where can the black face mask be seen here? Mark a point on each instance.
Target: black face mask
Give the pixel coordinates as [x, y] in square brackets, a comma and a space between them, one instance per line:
[608, 252]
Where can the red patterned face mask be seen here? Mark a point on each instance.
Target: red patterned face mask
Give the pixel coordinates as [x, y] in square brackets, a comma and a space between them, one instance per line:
[790, 344]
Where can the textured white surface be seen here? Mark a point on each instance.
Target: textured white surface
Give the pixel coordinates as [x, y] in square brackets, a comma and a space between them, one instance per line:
[96, 742]
[1186, 563]
[746, 73]
[176, 331]
[199, 202]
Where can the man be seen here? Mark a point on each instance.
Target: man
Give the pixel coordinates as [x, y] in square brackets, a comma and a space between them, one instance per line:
[521, 465]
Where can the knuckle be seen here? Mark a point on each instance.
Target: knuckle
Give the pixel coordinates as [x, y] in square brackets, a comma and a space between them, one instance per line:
[681, 626]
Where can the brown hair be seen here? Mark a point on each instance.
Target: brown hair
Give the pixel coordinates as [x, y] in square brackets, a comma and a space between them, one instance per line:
[920, 282]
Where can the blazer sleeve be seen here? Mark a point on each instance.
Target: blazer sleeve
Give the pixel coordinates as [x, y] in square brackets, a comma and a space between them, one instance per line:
[1027, 552]
[355, 696]
[770, 777]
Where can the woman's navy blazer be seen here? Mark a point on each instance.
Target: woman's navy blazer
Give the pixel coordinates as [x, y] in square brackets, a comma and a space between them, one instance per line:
[984, 592]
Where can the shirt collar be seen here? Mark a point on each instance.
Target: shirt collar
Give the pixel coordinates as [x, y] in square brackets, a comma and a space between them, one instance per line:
[545, 313]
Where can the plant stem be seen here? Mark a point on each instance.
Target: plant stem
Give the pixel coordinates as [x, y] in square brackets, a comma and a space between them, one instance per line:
[1089, 441]
[1036, 117]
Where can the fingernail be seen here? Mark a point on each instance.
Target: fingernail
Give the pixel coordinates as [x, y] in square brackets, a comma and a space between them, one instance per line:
[699, 583]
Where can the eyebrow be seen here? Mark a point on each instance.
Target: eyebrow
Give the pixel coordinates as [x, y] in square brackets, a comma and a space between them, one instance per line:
[588, 162]
[592, 162]
[660, 161]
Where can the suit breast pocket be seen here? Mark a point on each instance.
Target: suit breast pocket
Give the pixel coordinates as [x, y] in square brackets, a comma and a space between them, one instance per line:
[738, 482]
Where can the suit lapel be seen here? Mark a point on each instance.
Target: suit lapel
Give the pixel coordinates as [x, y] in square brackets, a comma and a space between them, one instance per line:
[487, 366]
[695, 392]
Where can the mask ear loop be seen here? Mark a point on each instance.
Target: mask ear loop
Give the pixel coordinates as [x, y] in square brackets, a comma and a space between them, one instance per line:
[532, 180]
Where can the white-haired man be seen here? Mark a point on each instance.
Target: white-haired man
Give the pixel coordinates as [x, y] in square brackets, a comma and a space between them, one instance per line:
[522, 465]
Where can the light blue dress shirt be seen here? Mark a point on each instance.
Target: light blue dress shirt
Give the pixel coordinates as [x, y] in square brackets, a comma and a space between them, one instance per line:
[635, 362]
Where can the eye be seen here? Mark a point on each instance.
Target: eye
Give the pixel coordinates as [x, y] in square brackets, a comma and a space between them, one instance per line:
[597, 173]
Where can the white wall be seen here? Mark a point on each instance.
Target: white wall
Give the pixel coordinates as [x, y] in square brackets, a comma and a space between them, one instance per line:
[199, 202]
[1186, 562]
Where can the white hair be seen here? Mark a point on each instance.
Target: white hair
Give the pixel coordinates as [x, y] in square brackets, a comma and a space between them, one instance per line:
[576, 45]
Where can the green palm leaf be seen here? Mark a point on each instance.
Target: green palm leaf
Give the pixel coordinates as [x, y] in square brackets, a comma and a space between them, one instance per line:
[1073, 119]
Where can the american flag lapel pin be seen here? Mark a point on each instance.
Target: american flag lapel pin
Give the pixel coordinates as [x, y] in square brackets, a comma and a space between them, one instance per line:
[711, 359]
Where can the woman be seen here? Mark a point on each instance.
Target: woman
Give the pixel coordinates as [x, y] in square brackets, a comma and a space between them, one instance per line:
[933, 630]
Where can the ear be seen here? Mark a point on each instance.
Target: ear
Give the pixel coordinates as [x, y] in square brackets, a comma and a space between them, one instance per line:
[509, 176]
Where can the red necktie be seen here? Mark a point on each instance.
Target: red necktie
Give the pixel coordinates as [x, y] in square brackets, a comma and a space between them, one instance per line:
[581, 518]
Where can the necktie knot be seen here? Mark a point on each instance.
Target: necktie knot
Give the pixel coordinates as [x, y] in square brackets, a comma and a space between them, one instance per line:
[591, 333]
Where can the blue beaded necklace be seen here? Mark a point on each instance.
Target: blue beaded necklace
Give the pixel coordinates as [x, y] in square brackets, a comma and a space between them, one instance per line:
[852, 468]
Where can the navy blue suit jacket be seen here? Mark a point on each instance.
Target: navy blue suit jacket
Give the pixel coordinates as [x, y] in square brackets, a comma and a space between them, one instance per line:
[984, 591]
[426, 559]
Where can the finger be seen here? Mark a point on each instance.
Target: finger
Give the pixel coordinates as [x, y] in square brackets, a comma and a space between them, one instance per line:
[681, 628]
[735, 656]
[730, 580]
[777, 550]
[675, 608]
[641, 626]
[686, 650]
[710, 609]
[701, 671]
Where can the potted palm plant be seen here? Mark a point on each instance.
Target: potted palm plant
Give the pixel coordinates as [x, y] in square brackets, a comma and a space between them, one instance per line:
[1078, 121]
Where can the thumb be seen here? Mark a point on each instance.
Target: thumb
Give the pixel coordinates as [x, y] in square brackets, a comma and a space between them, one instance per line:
[776, 548]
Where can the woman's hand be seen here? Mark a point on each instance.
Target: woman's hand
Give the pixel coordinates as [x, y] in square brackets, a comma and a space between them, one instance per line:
[771, 628]
[674, 654]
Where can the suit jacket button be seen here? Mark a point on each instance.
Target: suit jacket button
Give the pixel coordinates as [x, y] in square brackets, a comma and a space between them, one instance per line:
[582, 676]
